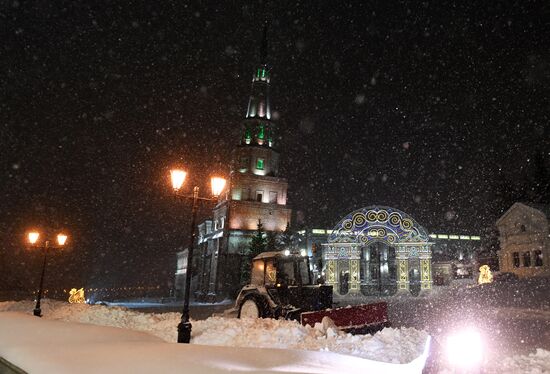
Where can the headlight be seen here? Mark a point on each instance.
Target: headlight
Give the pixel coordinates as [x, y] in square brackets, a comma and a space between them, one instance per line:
[465, 349]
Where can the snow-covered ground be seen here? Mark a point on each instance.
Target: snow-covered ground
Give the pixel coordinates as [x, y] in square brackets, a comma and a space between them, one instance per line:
[285, 345]
[48, 346]
[513, 319]
[390, 345]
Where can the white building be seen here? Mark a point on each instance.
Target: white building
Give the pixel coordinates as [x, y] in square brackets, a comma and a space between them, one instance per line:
[525, 240]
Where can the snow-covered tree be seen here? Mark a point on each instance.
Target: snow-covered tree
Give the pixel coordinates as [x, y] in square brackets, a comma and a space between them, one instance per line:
[257, 246]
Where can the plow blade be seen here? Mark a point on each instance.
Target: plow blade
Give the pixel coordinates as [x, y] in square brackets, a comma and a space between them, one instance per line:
[359, 319]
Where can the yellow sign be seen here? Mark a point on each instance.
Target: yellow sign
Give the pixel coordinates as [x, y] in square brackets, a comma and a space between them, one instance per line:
[77, 296]
[485, 275]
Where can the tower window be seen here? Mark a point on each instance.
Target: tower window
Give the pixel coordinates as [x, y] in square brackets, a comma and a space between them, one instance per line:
[259, 196]
[515, 257]
[260, 164]
[527, 259]
[236, 194]
[243, 167]
[273, 197]
[538, 258]
[245, 193]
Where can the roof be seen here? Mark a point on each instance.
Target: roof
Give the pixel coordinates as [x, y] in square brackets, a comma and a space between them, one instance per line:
[543, 208]
[274, 254]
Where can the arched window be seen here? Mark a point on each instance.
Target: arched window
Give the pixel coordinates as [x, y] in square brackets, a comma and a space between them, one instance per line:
[392, 266]
[364, 266]
[374, 263]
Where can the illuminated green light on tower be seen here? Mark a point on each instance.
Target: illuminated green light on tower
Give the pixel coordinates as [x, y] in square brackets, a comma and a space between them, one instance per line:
[261, 132]
[247, 136]
[263, 73]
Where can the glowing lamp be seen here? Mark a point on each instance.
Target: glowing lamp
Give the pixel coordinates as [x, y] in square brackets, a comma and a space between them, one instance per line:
[218, 184]
[485, 275]
[303, 253]
[61, 239]
[287, 252]
[178, 177]
[33, 237]
[465, 349]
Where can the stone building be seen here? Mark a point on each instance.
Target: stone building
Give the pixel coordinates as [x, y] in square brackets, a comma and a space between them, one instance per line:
[256, 192]
[524, 240]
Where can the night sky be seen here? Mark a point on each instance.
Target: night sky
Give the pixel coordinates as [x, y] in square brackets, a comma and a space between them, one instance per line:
[434, 108]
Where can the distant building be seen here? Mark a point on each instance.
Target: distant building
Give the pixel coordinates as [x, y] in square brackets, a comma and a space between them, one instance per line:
[525, 240]
[256, 193]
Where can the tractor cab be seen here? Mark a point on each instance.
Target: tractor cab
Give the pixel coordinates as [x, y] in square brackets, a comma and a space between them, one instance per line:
[280, 269]
[281, 285]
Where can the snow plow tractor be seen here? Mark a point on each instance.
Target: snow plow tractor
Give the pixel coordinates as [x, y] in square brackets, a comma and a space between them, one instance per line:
[281, 286]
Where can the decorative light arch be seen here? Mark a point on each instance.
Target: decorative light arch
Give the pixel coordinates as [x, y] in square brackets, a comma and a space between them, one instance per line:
[378, 223]
[356, 231]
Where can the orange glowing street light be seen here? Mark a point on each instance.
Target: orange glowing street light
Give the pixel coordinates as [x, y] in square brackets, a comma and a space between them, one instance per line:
[178, 177]
[218, 185]
[61, 239]
[32, 237]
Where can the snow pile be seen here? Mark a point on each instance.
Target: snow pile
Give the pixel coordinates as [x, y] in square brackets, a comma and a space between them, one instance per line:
[58, 347]
[390, 345]
[534, 363]
[162, 325]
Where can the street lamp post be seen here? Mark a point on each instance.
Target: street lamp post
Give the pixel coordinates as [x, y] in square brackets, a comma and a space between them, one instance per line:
[33, 237]
[218, 184]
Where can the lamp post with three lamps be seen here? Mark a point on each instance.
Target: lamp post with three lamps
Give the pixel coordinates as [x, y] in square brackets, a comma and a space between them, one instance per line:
[45, 245]
[218, 184]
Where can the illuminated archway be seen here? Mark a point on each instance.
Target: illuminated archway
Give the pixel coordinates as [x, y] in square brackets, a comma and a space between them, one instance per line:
[363, 227]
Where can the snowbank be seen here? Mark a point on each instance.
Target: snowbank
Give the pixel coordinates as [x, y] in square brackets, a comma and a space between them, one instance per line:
[390, 345]
[534, 363]
[235, 342]
[45, 346]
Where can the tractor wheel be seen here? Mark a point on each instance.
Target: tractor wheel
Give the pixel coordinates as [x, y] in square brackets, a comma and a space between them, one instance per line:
[253, 307]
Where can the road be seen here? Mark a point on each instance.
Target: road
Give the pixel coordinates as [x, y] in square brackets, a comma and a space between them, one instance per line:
[196, 311]
[506, 329]
[512, 318]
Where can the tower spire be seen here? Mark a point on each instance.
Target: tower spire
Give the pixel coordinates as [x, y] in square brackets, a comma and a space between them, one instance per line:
[263, 46]
[258, 128]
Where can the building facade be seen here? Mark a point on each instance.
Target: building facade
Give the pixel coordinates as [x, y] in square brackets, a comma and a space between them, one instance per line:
[256, 193]
[525, 240]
